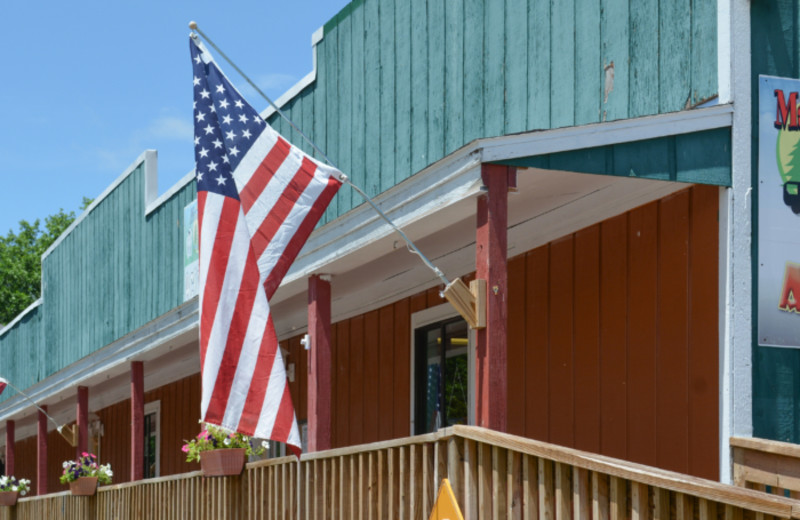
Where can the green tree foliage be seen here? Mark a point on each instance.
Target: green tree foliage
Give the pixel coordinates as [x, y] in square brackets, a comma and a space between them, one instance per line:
[21, 264]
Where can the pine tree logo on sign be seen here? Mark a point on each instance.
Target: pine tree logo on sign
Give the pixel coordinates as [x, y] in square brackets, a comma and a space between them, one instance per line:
[787, 121]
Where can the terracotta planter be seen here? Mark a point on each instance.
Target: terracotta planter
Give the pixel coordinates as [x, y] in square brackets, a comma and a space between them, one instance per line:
[221, 463]
[83, 486]
[8, 498]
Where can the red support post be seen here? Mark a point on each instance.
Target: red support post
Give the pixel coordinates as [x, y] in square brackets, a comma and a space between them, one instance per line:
[137, 420]
[319, 365]
[83, 421]
[10, 447]
[491, 264]
[41, 452]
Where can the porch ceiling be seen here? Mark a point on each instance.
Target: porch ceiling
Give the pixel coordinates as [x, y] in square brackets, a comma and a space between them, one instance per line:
[548, 204]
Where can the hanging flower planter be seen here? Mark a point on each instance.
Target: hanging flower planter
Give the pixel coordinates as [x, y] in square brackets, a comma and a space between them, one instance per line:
[11, 488]
[83, 486]
[224, 462]
[83, 474]
[8, 498]
[221, 452]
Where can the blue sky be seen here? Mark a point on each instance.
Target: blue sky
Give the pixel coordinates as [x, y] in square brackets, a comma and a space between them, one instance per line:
[89, 85]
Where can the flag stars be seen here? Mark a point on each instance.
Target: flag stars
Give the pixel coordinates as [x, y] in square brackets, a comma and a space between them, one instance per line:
[230, 135]
[216, 142]
[196, 140]
[239, 103]
[246, 134]
[220, 89]
[243, 118]
[227, 119]
[203, 152]
[209, 129]
[225, 159]
[205, 94]
[234, 151]
[200, 117]
[212, 166]
[224, 104]
[197, 59]
[196, 81]
[220, 180]
[199, 176]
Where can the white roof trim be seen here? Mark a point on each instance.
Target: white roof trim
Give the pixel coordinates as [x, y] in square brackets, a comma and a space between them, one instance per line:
[20, 316]
[298, 87]
[147, 338]
[149, 157]
[457, 177]
[178, 186]
[604, 134]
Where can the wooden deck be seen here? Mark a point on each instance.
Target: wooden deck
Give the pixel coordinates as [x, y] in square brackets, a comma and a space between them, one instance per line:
[494, 476]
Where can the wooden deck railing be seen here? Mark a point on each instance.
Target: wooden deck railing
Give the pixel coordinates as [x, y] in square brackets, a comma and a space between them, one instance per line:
[494, 476]
[769, 466]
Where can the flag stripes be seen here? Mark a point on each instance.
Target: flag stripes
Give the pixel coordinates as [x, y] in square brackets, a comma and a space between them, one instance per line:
[259, 198]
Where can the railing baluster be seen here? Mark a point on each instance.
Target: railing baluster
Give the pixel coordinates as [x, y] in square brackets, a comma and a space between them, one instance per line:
[618, 499]
[581, 494]
[640, 503]
[546, 490]
[530, 487]
[470, 474]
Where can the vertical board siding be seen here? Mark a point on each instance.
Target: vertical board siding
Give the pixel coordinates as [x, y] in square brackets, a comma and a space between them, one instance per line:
[640, 396]
[115, 250]
[612, 343]
[422, 78]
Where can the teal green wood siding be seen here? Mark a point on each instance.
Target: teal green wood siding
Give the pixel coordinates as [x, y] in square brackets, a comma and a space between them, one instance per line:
[113, 273]
[702, 157]
[775, 39]
[402, 84]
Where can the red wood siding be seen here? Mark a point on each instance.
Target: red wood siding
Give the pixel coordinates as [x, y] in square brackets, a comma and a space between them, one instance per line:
[620, 336]
[613, 348]
[613, 343]
[180, 411]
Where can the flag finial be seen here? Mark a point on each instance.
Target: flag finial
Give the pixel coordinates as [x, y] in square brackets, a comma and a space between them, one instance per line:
[193, 25]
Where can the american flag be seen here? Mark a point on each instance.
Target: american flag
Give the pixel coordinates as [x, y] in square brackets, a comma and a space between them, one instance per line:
[258, 198]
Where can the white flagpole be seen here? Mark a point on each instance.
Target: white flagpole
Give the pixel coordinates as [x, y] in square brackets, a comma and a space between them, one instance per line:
[411, 247]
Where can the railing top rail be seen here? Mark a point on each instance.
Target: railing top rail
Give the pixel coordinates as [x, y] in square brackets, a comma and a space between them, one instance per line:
[786, 449]
[442, 434]
[707, 489]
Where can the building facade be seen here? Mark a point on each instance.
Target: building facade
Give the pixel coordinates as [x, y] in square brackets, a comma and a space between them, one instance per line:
[594, 162]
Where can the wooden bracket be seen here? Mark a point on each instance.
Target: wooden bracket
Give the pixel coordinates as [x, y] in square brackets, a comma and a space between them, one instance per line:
[469, 302]
[70, 434]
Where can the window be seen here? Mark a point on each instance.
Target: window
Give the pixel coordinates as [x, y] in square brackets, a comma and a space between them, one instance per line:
[152, 418]
[442, 371]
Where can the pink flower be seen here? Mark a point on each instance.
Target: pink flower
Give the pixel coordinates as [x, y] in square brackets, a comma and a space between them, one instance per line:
[203, 434]
[185, 448]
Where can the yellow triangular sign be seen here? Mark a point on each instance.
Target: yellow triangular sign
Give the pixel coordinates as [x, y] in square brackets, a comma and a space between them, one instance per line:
[446, 507]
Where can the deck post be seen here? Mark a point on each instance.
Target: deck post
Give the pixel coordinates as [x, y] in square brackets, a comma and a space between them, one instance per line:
[491, 265]
[9, 448]
[137, 420]
[319, 365]
[41, 451]
[83, 421]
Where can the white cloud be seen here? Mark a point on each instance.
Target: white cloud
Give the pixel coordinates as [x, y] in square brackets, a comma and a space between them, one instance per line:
[170, 127]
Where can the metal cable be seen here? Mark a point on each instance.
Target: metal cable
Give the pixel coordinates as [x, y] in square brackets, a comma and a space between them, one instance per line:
[411, 247]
